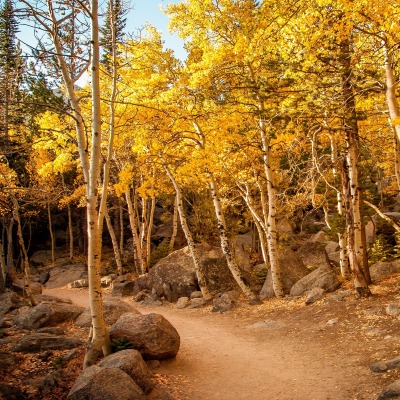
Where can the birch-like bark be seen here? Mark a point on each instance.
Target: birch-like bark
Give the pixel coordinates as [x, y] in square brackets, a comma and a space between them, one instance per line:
[70, 228]
[149, 229]
[272, 242]
[51, 234]
[174, 226]
[117, 254]
[356, 243]
[191, 245]
[27, 270]
[225, 245]
[139, 264]
[100, 341]
[393, 105]
[121, 227]
[342, 233]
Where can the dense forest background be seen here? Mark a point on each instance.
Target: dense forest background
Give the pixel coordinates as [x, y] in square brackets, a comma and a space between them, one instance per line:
[282, 112]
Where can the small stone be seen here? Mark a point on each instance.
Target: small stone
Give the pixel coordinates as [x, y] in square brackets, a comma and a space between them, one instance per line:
[393, 310]
[196, 303]
[196, 295]
[332, 321]
[314, 295]
[182, 302]
[141, 296]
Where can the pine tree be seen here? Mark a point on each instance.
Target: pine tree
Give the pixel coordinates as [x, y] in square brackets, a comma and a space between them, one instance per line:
[11, 69]
[113, 29]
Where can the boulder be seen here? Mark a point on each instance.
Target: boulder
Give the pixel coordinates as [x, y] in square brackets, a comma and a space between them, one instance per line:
[143, 283]
[122, 289]
[61, 276]
[313, 255]
[196, 295]
[43, 341]
[96, 383]
[225, 302]
[174, 276]
[131, 362]
[151, 334]
[391, 392]
[46, 314]
[44, 277]
[314, 295]
[106, 281]
[383, 366]
[78, 284]
[323, 278]
[113, 309]
[42, 257]
[10, 301]
[319, 237]
[384, 269]
[18, 286]
[332, 247]
[293, 269]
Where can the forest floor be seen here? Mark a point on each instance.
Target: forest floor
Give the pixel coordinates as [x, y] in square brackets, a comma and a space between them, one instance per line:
[280, 350]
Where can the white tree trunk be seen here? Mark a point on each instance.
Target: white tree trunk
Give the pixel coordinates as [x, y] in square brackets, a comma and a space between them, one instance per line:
[149, 229]
[191, 245]
[51, 234]
[273, 253]
[27, 270]
[139, 264]
[114, 241]
[174, 226]
[226, 246]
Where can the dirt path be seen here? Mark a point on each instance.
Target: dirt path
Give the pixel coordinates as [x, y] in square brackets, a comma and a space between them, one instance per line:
[228, 357]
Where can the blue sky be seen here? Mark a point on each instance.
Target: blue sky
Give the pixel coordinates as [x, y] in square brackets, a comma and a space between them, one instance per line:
[149, 11]
[142, 11]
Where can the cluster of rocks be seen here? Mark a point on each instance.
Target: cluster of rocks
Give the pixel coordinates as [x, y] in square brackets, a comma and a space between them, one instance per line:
[122, 375]
[310, 271]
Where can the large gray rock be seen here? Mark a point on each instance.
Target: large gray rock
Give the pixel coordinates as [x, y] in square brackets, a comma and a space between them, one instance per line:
[43, 341]
[122, 289]
[313, 255]
[293, 269]
[384, 269]
[96, 383]
[323, 278]
[151, 334]
[314, 295]
[46, 314]
[42, 257]
[131, 362]
[113, 309]
[174, 276]
[61, 276]
[391, 392]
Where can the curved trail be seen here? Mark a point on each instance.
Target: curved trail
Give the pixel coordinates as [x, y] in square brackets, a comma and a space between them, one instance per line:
[223, 358]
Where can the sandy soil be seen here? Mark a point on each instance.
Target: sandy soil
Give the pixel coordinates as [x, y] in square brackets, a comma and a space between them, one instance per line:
[281, 350]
